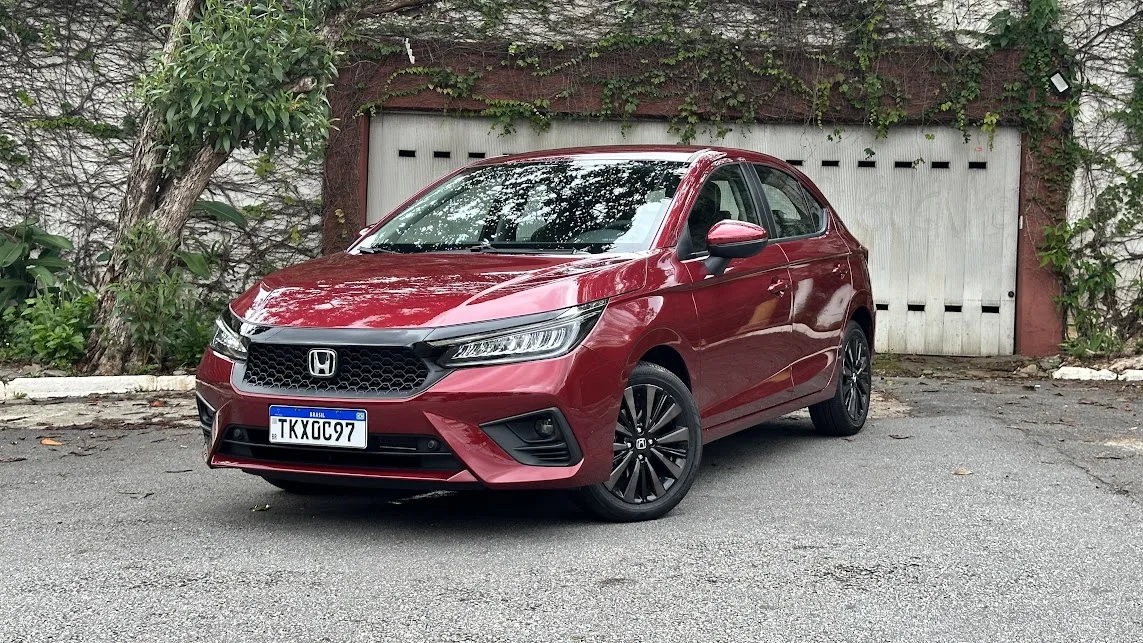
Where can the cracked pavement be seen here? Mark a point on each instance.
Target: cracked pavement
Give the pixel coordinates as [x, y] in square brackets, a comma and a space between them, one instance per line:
[968, 511]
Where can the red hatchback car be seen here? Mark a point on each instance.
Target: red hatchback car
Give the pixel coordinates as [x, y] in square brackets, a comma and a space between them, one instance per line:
[579, 319]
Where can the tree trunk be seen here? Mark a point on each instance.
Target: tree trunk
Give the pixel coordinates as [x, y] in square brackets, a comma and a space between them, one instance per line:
[109, 348]
[165, 198]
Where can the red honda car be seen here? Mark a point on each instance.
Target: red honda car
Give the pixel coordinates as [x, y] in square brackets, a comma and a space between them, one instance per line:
[578, 319]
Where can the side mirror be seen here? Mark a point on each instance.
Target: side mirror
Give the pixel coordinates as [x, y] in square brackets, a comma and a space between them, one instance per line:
[730, 239]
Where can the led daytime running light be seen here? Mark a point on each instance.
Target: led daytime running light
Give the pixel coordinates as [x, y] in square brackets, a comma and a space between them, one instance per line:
[228, 340]
[538, 341]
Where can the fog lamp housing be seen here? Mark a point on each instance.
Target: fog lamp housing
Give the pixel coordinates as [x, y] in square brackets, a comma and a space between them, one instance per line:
[541, 439]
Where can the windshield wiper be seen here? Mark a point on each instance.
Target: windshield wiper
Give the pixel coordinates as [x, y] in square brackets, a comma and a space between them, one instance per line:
[372, 250]
[487, 247]
[484, 246]
[571, 250]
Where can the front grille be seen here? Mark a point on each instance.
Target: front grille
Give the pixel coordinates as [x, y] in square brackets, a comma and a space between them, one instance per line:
[360, 369]
[384, 451]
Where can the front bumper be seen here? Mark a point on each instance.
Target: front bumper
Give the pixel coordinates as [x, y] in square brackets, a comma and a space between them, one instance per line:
[582, 390]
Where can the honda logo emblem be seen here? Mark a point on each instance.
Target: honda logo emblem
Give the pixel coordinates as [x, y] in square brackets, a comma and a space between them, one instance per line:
[323, 362]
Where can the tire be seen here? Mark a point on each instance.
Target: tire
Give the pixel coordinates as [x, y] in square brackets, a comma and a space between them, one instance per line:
[845, 413]
[655, 463]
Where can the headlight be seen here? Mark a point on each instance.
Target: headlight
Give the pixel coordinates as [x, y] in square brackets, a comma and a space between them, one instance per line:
[228, 340]
[537, 341]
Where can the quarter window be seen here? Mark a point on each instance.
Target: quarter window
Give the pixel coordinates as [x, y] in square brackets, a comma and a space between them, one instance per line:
[795, 212]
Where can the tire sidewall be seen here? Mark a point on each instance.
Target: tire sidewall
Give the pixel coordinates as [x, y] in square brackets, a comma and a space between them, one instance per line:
[855, 332]
[604, 503]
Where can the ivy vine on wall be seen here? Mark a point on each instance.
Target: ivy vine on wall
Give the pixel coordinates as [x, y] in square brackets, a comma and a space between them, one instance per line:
[717, 77]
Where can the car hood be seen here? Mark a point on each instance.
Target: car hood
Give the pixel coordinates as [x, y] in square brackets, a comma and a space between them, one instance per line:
[431, 290]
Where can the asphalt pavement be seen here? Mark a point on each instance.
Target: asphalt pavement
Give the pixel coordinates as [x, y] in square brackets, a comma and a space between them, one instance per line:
[983, 511]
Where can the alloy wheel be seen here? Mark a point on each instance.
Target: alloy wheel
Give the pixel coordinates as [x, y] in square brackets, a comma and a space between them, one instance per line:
[856, 379]
[649, 451]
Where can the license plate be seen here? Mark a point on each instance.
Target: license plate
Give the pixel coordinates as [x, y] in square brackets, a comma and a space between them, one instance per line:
[318, 427]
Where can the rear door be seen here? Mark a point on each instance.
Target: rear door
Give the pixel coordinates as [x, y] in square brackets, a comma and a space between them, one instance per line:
[744, 313]
[820, 275]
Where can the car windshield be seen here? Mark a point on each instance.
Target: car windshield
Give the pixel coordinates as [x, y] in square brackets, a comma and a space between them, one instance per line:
[551, 206]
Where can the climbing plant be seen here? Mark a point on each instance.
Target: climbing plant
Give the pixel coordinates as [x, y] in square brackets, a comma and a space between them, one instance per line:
[1098, 255]
[722, 64]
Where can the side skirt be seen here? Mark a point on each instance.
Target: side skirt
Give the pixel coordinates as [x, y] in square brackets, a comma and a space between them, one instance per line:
[713, 433]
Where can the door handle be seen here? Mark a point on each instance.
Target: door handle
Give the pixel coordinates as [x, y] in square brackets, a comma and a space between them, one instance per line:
[840, 269]
[779, 287]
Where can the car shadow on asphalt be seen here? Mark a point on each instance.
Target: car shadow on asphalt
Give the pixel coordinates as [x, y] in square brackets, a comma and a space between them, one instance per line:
[753, 446]
[484, 512]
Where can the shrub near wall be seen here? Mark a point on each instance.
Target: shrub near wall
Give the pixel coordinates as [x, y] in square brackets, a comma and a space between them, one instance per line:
[50, 328]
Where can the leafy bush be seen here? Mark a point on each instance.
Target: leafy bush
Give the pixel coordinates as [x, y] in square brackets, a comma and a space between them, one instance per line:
[51, 328]
[29, 259]
[170, 323]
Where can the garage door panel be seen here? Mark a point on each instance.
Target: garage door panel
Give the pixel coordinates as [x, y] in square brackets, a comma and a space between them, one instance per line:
[941, 234]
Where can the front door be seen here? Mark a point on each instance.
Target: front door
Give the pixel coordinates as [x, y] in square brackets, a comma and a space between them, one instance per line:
[743, 314]
[820, 275]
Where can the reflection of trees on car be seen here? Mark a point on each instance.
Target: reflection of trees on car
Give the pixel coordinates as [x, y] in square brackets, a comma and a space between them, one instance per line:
[596, 206]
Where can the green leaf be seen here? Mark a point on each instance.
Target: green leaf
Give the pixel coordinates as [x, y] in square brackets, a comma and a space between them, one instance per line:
[103, 257]
[222, 212]
[44, 277]
[10, 252]
[195, 262]
[51, 240]
[50, 263]
[11, 283]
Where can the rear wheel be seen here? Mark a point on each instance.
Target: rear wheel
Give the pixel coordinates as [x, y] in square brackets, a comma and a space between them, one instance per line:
[845, 413]
[655, 451]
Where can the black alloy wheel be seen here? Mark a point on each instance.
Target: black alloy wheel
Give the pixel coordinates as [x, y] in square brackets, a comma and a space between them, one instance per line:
[656, 449]
[649, 452]
[845, 413]
[856, 379]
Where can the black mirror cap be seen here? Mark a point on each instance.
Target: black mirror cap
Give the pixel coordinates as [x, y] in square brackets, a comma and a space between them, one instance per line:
[721, 254]
[740, 250]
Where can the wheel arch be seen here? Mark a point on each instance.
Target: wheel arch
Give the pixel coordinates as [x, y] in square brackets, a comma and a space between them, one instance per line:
[665, 348]
[670, 359]
[864, 318]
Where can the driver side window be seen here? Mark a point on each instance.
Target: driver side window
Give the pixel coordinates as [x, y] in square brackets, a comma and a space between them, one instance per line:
[725, 195]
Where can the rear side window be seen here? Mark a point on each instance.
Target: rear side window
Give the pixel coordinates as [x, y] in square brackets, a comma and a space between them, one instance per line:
[796, 213]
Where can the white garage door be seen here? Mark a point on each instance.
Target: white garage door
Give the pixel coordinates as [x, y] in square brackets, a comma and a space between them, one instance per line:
[939, 216]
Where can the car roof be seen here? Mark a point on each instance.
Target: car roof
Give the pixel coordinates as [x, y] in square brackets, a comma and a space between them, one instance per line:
[678, 153]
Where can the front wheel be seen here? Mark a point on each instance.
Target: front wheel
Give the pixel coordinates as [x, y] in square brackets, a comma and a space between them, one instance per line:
[845, 413]
[655, 451]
